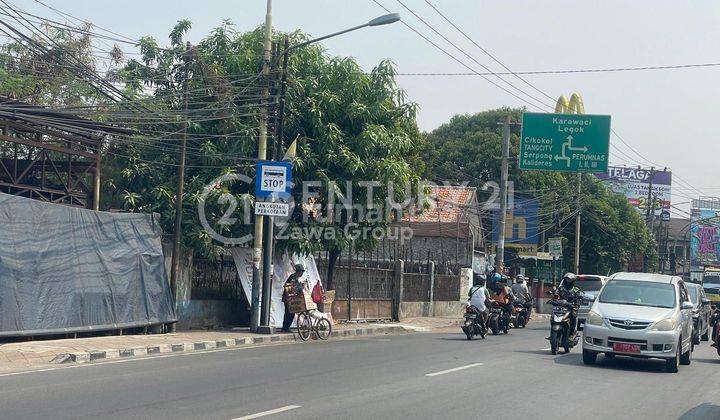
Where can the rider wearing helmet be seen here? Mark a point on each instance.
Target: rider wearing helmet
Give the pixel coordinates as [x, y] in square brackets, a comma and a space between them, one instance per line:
[522, 292]
[501, 293]
[571, 293]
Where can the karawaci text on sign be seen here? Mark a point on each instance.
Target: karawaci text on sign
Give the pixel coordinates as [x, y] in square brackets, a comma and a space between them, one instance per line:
[559, 142]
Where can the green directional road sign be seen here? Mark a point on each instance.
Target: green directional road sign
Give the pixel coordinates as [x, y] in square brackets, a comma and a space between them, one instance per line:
[565, 142]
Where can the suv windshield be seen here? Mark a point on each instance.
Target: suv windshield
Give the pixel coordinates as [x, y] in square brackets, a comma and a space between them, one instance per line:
[639, 293]
[589, 284]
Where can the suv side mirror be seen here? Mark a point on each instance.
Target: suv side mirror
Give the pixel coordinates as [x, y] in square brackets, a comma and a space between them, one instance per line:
[705, 301]
[589, 297]
[687, 305]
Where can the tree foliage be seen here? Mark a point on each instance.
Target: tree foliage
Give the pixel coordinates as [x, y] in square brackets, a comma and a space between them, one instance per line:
[349, 126]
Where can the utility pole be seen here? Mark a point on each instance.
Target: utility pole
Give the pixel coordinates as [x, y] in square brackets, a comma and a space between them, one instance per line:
[649, 211]
[177, 234]
[500, 257]
[262, 155]
[577, 224]
[269, 240]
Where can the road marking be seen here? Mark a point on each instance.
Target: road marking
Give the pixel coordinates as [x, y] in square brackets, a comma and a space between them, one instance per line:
[546, 349]
[442, 372]
[268, 413]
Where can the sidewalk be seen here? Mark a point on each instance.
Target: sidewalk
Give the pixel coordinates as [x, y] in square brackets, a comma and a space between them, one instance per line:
[38, 354]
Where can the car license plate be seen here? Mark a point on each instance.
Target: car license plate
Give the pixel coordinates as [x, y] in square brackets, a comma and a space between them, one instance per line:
[470, 316]
[626, 348]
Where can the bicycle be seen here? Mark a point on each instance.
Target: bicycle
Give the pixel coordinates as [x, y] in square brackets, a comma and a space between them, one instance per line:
[305, 325]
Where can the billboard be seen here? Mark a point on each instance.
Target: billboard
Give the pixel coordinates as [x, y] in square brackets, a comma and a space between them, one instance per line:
[704, 238]
[634, 184]
[521, 226]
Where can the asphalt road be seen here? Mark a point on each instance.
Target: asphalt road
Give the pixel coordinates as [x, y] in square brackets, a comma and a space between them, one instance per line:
[438, 375]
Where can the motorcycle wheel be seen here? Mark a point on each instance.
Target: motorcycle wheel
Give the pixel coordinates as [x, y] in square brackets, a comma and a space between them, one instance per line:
[482, 331]
[494, 326]
[566, 342]
[522, 321]
[553, 342]
[468, 332]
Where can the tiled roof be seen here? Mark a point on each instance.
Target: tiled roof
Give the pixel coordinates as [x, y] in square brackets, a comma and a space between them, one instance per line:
[448, 203]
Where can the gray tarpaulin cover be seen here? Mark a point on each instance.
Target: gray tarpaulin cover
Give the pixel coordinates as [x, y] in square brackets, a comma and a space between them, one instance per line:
[65, 269]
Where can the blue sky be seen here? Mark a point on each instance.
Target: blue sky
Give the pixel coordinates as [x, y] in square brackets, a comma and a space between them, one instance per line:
[669, 116]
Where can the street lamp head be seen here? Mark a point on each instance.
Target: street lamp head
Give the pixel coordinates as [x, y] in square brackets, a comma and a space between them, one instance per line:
[385, 19]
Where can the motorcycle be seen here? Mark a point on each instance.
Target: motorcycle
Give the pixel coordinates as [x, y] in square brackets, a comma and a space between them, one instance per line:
[522, 314]
[714, 319]
[498, 319]
[560, 325]
[473, 324]
[715, 323]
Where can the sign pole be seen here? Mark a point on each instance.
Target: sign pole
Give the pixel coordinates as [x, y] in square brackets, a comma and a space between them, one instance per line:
[267, 275]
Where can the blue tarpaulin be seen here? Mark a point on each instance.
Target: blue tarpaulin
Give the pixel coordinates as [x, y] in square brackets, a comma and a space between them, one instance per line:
[65, 269]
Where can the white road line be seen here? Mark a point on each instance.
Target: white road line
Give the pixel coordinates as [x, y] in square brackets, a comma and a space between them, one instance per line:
[268, 413]
[442, 372]
[546, 349]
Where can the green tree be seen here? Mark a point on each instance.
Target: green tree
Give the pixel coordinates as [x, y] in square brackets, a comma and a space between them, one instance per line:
[468, 149]
[349, 126]
[34, 74]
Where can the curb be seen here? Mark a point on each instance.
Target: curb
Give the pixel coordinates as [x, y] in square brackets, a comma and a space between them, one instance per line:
[95, 355]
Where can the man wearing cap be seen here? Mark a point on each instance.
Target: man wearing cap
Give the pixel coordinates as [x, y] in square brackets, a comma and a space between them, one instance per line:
[292, 283]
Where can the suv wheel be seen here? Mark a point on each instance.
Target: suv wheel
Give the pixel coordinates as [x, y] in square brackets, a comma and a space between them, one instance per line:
[589, 357]
[671, 365]
[686, 358]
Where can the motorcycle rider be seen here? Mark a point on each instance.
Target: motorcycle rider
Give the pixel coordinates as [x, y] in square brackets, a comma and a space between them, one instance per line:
[572, 294]
[502, 294]
[522, 293]
[478, 297]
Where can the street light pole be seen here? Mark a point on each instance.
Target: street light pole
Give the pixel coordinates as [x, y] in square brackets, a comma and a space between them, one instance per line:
[261, 249]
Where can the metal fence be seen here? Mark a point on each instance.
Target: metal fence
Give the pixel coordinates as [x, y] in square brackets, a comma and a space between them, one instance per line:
[215, 279]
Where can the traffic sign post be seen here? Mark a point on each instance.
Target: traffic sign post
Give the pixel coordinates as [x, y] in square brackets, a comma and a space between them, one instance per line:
[565, 142]
[272, 178]
[555, 247]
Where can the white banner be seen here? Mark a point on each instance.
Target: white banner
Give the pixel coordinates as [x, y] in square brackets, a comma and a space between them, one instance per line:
[283, 268]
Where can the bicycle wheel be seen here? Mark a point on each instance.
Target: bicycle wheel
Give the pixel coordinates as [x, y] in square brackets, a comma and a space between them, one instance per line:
[323, 328]
[304, 326]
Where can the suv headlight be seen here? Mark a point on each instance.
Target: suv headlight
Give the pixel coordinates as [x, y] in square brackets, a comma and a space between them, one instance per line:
[667, 324]
[594, 319]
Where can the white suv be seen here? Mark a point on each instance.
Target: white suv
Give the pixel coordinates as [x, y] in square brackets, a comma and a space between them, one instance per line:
[641, 315]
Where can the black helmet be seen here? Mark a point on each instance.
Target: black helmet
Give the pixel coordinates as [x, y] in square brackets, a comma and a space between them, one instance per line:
[299, 267]
[569, 280]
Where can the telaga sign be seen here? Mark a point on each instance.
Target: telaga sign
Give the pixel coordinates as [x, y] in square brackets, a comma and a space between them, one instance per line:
[565, 142]
[634, 184]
